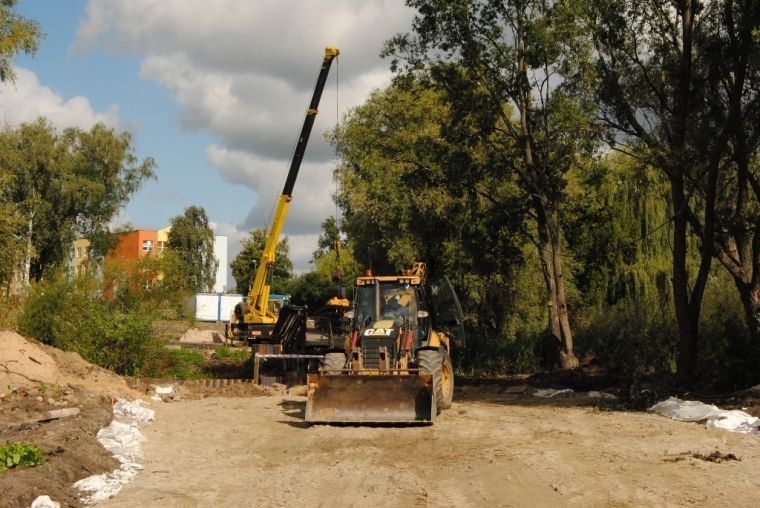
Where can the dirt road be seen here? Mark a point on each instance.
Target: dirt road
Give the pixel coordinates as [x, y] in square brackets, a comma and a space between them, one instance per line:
[486, 451]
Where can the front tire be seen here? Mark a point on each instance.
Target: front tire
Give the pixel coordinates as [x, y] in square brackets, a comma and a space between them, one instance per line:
[429, 362]
[334, 363]
[447, 382]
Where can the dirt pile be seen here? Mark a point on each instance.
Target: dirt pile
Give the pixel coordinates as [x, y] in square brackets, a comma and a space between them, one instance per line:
[196, 336]
[37, 381]
[27, 363]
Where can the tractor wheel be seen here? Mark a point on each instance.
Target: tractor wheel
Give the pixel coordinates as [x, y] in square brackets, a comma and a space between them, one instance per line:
[334, 362]
[447, 382]
[429, 362]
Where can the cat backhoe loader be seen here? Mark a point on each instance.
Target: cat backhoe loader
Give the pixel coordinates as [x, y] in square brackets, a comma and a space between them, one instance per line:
[395, 365]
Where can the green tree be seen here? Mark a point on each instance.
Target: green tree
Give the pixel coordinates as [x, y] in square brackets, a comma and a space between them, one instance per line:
[246, 263]
[312, 289]
[729, 138]
[191, 242]
[334, 258]
[678, 82]
[409, 193]
[17, 35]
[65, 185]
[492, 56]
[328, 239]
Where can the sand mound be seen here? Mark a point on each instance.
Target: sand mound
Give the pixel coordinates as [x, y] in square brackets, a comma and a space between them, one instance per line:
[26, 362]
[196, 336]
[23, 362]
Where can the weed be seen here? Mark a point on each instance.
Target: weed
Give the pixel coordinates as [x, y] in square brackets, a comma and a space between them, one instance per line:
[17, 455]
[232, 354]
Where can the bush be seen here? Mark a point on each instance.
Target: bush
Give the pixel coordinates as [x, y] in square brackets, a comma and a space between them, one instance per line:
[728, 357]
[19, 455]
[73, 316]
[631, 338]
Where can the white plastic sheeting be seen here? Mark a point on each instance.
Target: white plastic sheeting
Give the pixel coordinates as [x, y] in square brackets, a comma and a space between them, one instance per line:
[548, 393]
[124, 440]
[164, 390]
[714, 417]
[45, 502]
[160, 391]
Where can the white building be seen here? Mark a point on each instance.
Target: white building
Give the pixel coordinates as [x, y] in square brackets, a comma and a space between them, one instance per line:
[220, 253]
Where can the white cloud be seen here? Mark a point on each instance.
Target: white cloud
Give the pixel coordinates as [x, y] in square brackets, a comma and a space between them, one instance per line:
[27, 99]
[312, 201]
[121, 219]
[244, 71]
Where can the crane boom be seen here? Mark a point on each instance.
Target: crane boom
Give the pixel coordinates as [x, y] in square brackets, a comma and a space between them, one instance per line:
[258, 297]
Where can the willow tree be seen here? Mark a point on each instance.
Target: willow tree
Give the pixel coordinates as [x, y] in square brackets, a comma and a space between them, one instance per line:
[680, 79]
[520, 53]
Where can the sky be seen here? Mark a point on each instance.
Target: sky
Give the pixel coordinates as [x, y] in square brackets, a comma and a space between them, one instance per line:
[215, 91]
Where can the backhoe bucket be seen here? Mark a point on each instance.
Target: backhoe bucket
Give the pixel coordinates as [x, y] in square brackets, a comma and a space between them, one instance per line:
[370, 398]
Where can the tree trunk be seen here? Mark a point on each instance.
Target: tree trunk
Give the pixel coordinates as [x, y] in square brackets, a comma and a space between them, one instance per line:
[547, 268]
[25, 275]
[549, 251]
[549, 242]
[567, 354]
[687, 324]
[750, 297]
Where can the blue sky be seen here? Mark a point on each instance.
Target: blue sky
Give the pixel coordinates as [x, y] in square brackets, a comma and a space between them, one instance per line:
[147, 110]
[215, 91]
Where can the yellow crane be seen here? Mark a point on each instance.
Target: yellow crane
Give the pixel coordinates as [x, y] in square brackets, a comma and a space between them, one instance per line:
[255, 320]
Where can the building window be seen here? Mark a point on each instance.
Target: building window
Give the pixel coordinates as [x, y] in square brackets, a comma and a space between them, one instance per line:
[147, 245]
[161, 245]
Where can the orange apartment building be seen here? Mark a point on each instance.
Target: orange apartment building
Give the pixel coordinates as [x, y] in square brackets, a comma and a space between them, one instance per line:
[133, 246]
[130, 248]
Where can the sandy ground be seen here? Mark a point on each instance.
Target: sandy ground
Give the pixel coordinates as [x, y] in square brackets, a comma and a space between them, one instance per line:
[488, 450]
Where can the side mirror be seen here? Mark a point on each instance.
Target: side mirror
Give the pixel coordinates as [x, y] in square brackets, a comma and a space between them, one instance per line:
[422, 314]
[349, 314]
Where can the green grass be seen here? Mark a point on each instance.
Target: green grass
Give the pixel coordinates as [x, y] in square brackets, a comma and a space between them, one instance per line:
[175, 363]
[232, 354]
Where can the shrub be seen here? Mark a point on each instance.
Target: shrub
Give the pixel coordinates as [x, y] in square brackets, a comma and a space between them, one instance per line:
[73, 316]
[631, 338]
[17, 455]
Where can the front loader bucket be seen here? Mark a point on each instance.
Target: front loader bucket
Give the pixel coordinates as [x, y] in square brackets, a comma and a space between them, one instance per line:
[370, 398]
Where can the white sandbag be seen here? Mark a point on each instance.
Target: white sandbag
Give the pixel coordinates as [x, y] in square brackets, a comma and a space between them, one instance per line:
[164, 390]
[45, 502]
[548, 393]
[714, 417]
[124, 440]
[132, 411]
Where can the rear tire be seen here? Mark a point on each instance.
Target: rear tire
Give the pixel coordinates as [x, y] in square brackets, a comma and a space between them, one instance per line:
[334, 363]
[447, 382]
[429, 362]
